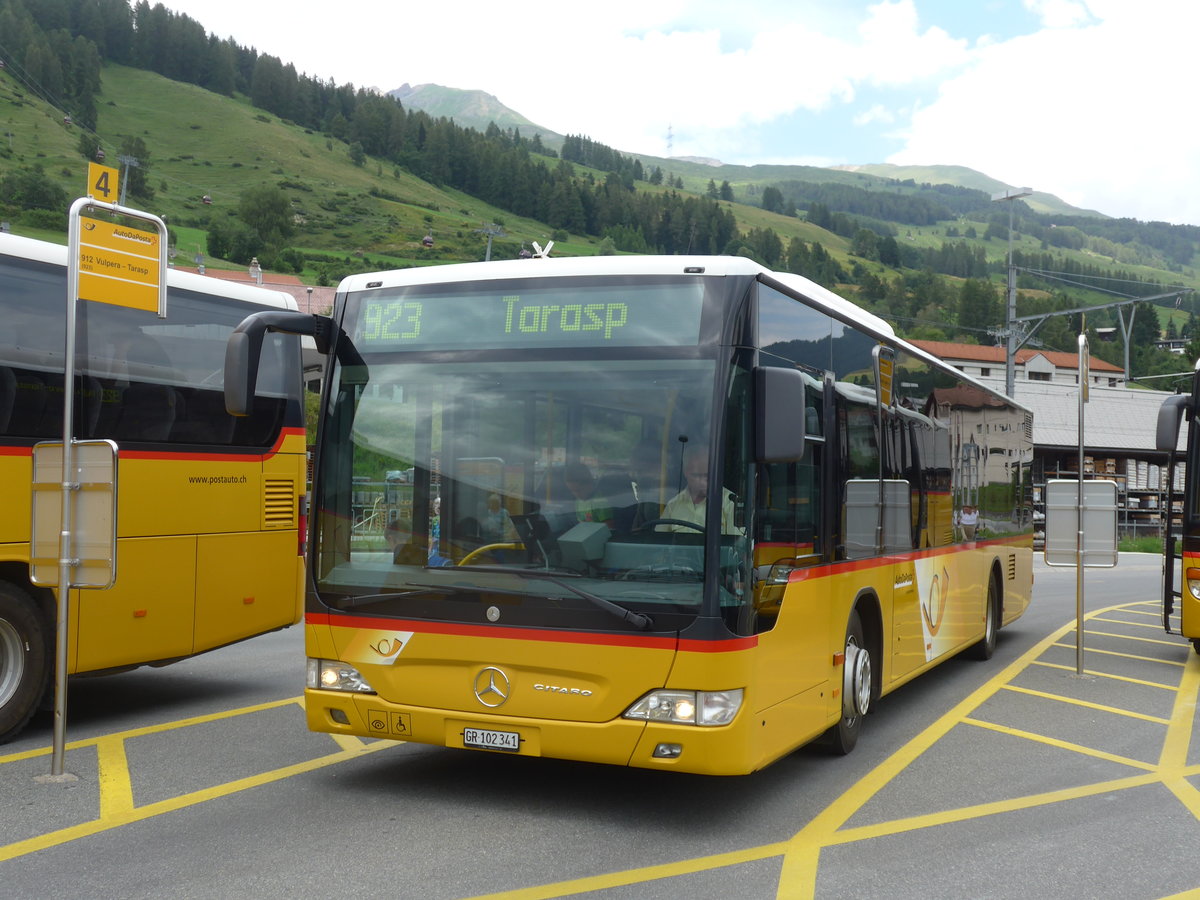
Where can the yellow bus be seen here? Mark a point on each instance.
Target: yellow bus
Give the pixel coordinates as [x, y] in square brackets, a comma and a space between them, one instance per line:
[210, 519]
[670, 512]
[1182, 482]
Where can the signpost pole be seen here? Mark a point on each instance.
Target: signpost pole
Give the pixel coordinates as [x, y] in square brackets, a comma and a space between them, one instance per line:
[147, 285]
[1079, 563]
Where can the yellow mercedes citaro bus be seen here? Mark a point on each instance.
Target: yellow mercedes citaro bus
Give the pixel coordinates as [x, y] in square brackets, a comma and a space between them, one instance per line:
[210, 520]
[671, 512]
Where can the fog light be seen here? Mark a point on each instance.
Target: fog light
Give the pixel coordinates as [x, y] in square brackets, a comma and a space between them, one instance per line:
[668, 751]
[339, 716]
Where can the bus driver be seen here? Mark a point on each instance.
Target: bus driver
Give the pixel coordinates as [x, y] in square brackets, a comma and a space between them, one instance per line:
[689, 504]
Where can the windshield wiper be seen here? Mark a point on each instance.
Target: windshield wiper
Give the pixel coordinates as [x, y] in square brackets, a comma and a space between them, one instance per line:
[640, 621]
[361, 599]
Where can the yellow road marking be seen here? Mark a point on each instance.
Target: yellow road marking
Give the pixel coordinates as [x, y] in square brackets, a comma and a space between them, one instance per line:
[116, 786]
[1094, 673]
[116, 791]
[155, 729]
[639, 876]
[1157, 626]
[1128, 637]
[1150, 659]
[1117, 711]
[141, 813]
[1060, 744]
[801, 853]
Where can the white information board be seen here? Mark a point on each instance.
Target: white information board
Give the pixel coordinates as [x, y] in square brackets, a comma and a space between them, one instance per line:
[1099, 522]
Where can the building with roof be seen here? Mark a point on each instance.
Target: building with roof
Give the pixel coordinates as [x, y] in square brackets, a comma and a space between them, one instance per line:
[1053, 366]
[1119, 426]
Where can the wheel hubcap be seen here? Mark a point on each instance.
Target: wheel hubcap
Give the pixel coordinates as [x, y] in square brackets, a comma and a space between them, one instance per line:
[856, 681]
[12, 661]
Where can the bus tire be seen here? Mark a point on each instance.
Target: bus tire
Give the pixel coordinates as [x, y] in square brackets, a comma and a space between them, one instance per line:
[1196, 644]
[24, 659]
[857, 677]
[986, 646]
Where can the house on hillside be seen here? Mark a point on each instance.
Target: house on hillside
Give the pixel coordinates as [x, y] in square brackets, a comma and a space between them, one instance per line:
[1054, 366]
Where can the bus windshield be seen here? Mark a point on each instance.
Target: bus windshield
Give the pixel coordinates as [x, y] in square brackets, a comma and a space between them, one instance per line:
[546, 491]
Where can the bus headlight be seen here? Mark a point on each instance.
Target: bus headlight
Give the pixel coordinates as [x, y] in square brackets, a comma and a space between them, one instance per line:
[688, 707]
[331, 675]
[1192, 576]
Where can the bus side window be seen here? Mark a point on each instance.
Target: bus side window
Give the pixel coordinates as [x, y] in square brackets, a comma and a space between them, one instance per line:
[8, 397]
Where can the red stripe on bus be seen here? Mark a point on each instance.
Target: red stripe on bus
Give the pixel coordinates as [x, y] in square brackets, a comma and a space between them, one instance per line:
[528, 634]
[284, 434]
[873, 562]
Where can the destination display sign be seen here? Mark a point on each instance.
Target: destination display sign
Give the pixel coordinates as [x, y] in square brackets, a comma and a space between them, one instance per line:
[534, 315]
[118, 265]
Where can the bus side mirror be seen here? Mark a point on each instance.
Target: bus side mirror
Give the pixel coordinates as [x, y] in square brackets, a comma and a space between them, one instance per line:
[1166, 436]
[244, 349]
[779, 414]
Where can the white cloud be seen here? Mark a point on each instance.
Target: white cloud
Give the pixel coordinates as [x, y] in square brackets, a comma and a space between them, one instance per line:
[877, 114]
[1059, 13]
[1090, 112]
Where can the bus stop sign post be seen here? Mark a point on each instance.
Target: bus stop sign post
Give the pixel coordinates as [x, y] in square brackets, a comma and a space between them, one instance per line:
[1081, 518]
[106, 263]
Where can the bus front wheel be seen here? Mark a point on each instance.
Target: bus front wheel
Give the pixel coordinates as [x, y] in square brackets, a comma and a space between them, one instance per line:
[856, 689]
[991, 623]
[24, 659]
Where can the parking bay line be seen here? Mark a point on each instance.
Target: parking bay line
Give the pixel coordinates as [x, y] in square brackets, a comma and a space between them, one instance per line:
[801, 853]
[116, 794]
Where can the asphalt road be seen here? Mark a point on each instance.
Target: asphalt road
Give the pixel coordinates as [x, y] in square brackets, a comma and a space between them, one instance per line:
[1009, 778]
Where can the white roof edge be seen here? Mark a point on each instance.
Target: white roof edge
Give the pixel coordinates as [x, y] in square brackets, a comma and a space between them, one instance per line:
[56, 254]
[614, 265]
[558, 266]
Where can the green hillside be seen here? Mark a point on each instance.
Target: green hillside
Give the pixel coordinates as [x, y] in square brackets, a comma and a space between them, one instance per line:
[964, 177]
[906, 243]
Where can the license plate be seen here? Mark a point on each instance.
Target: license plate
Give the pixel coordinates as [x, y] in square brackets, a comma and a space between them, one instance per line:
[491, 740]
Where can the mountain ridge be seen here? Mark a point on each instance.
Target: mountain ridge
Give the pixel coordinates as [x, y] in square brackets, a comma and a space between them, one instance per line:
[474, 108]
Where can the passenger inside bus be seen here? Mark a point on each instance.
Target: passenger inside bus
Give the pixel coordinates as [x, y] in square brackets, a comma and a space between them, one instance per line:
[635, 495]
[590, 506]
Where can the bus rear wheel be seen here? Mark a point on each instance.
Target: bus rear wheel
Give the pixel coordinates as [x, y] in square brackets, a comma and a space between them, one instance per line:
[857, 676]
[24, 659]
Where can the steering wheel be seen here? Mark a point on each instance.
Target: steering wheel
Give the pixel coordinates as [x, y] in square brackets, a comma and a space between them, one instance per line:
[647, 526]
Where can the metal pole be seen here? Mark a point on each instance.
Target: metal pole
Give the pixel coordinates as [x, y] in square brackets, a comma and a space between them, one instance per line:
[1010, 309]
[1083, 397]
[1010, 313]
[65, 563]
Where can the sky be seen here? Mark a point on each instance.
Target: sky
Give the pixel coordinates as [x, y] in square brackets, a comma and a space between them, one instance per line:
[1089, 100]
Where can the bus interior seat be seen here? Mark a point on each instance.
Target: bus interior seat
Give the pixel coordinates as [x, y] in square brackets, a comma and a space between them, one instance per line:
[147, 413]
[200, 418]
[8, 397]
[29, 400]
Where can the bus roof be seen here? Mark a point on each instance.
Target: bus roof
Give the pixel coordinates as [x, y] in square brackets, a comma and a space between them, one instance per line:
[56, 254]
[566, 266]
